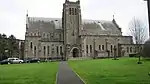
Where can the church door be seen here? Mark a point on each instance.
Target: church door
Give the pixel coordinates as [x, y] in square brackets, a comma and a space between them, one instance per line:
[75, 53]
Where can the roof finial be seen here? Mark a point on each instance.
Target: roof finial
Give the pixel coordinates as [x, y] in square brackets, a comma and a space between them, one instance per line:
[27, 13]
[113, 16]
[67, 0]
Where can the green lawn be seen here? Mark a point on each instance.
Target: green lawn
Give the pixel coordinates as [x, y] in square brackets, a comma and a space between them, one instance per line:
[42, 73]
[108, 71]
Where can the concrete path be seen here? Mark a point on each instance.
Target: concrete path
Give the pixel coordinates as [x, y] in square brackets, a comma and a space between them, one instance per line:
[66, 76]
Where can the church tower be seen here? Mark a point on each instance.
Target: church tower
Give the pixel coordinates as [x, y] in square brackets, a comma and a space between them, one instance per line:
[71, 21]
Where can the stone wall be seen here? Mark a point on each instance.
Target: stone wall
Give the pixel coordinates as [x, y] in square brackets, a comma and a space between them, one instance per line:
[102, 43]
[127, 49]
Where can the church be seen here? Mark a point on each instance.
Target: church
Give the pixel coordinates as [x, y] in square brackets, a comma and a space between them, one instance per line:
[74, 37]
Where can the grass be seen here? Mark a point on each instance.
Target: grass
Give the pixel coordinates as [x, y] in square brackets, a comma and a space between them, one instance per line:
[108, 71]
[42, 73]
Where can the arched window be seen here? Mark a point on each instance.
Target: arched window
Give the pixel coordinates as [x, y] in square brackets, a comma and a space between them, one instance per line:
[61, 49]
[90, 48]
[48, 50]
[75, 11]
[127, 49]
[130, 49]
[31, 34]
[31, 45]
[69, 11]
[103, 47]
[34, 50]
[72, 11]
[57, 50]
[135, 49]
[44, 50]
[87, 49]
[111, 49]
[99, 47]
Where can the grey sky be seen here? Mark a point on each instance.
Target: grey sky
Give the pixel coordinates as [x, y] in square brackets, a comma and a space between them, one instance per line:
[12, 12]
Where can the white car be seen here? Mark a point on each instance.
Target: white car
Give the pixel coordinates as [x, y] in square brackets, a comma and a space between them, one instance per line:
[15, 60]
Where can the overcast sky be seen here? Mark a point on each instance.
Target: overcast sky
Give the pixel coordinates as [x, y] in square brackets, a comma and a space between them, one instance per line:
[13, 12]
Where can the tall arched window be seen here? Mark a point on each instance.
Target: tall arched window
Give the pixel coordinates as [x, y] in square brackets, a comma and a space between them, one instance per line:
[75, 11]
[61, 49]
[69, 11]
[135, 49]
[127, 49]
[57, 50]
[87, 49]
[130, 49]
[111, 49]
[72, 11]
[99, 47]
[31, 45]
[44, 50]
[90, 48]
[34, 50]
[48, 50]
[103, 47]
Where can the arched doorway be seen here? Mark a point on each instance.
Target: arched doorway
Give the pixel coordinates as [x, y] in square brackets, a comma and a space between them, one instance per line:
[75, 52]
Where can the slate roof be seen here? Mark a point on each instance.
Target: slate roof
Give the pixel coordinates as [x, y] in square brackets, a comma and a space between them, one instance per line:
[89, 26]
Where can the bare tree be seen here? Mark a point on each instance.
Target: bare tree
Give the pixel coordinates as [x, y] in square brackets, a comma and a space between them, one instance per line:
[137, 30]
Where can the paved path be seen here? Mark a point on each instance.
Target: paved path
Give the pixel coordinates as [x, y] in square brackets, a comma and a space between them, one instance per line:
[66, 76]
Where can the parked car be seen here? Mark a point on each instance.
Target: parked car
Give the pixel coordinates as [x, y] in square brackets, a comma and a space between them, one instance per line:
[15, 60]
[6, 61]
[32, 60]
[26, 60]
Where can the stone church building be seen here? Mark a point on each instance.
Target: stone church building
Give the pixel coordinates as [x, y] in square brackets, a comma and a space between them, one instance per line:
[71, 36]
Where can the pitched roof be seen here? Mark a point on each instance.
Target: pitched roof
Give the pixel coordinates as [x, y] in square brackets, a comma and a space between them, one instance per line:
[89, 26]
